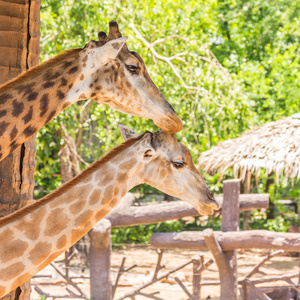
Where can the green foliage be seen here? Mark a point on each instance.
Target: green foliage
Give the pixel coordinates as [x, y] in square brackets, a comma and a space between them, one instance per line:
[280, 223]
[141, 234]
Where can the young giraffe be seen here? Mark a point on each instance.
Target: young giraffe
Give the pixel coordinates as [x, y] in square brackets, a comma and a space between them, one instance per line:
[103, 70]
[34, 236]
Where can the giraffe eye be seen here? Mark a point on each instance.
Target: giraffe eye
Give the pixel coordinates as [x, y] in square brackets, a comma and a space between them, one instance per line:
[178, 164]
[132, 68]
[148, 153]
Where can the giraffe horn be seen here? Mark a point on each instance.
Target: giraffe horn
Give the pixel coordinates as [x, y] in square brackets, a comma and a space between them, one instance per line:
[114, 32]
[102, 36]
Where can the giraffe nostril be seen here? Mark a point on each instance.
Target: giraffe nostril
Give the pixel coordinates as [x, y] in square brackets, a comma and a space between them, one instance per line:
[210, 195]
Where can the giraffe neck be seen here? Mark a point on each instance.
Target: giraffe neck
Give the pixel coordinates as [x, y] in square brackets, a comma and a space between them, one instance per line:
[36, 97]
[37, 234]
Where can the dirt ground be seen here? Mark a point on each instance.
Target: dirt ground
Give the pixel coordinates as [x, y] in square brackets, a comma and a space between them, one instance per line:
[146, 258]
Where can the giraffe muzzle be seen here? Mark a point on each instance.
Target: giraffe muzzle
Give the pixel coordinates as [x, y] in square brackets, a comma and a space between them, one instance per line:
[211, 201]
[170, 124]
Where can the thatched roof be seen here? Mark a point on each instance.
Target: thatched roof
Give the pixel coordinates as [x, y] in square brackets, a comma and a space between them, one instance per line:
[274, 146]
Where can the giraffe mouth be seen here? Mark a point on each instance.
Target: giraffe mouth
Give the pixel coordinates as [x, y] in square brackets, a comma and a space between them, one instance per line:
[208, 206]
[170, 124]
[206, 209]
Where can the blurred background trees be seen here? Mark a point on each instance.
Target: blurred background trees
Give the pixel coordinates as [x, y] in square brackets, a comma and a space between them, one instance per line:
[225, 66]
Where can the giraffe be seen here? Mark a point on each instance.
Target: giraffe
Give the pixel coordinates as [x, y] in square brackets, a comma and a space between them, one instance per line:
[34, 236]
[104, 70]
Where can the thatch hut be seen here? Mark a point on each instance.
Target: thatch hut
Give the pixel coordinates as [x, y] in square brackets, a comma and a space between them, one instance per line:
[274, 146]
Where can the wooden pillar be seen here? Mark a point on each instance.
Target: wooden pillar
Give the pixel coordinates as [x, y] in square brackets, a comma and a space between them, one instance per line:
[227, 280]
[246, 190]
[231, 222]
[19, 51]
[197, 264]
[100, 254]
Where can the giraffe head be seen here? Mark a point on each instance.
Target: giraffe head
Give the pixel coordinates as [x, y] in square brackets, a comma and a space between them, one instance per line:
[126, 85]
[167, 165]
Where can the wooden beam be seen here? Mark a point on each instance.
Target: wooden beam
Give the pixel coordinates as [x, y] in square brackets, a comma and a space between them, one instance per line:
[155, 213]
[259, 239]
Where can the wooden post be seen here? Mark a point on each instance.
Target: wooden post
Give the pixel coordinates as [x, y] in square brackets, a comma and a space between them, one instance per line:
[100, 254]
[231, 222]
[19, 44]
[197, 264]
[227, 278]
[246, 190]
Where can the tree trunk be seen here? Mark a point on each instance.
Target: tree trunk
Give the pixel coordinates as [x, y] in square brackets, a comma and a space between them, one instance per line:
[19, 50]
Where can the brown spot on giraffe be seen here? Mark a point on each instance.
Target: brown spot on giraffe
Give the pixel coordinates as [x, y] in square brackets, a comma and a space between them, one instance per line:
[48, 84]
[12, 249]
[83, 218]
[60, 94]
[49, 259]
[76, 234]
[116, 191]
[67, 64]
[128, 164]
[18, 108]
[122, 177]
[50, 117]
[39, 252]
[32, 96]
[4, 98]
[3, 113]
[94, 198]
[64, 82]
[73, 70]
[81, 77]
[107, 194]
[30, 226]
[29, 131]
[101, 214]
[66, 105]
[77, 206]
[61, 242]
[56, 222]
[55, 75]
[44, 104]
[28, 116]
[113, 202]
[3, 127]
[106, 178]
[12, 271]
[13, 145]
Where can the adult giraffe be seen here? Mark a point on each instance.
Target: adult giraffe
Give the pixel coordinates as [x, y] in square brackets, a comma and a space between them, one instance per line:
[104, 70]
[34, 236]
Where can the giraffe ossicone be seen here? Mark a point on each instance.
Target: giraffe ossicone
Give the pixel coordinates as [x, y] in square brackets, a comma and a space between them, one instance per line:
[34, 236]
[104, 70]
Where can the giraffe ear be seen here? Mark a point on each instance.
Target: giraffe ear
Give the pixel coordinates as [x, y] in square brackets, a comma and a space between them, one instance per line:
[113, 47]
[126, 132]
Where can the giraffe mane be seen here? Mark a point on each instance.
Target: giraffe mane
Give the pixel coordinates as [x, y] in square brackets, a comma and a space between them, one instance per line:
[68, 185]
[37, 70]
